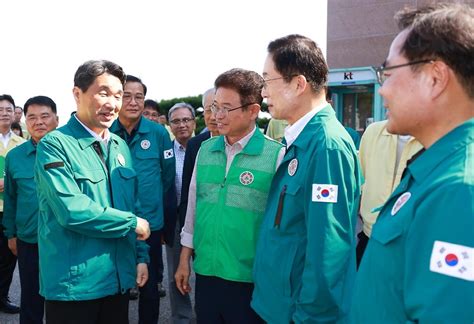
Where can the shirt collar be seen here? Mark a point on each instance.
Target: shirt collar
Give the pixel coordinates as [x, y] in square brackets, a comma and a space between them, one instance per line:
[242, 142]
[456, 139]
[178, 146]
[106, 138]
[292, 131]
[7, 136]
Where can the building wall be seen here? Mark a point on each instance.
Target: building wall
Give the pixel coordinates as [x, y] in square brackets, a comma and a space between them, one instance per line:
[360, 31]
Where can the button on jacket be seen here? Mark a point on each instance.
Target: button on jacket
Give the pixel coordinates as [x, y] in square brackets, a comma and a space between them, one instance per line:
[86, 238]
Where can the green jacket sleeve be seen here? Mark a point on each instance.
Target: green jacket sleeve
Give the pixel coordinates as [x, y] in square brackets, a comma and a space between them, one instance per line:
[72, 208]
[329, 267]
[445, 217]
[168, 165]
[9, 202]
[142, 252]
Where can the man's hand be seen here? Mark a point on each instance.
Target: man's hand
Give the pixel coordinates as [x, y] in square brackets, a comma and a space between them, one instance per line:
[2, 184]
[182, 273]
[142, 229]
[12, 245]
[142, 274]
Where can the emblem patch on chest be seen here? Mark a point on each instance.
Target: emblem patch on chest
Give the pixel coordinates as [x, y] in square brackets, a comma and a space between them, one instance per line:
[292, 167]
[121, 159]
[402, 200]
[145, 144]
[453, 260]
[246, 178]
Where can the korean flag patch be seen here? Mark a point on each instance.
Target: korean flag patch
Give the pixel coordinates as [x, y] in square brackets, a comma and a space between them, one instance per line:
[453, 260]
[326, 193]
[168, 154]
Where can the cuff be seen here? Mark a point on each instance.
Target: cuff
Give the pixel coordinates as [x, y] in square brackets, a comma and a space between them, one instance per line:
[187, 239]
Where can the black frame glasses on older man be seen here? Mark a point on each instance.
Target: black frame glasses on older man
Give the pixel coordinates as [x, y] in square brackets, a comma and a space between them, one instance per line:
[178, 121]
[381, 77]
[225, 111]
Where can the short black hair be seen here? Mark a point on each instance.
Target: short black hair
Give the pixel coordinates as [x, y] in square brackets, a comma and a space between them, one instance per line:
[42, 101]
[131, 78]
[8, 98]
[149, 103]
[299, 55]
[90, 70]
[445, 32]
[248, 84]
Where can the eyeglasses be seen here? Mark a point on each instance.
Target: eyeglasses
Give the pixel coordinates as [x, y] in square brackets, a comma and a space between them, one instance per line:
[177, 121]
[127, 97]
[225, 111]
[381, 77]
[265, 81]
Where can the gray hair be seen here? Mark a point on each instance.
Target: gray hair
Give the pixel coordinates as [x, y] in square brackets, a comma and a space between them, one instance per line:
[205, 94]
[181, 105]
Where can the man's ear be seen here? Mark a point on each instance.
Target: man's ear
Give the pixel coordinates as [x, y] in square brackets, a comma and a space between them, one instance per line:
[301, 83]
[76, 92]
[440, 76]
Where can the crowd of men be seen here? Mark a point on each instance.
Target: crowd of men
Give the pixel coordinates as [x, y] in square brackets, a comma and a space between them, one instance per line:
[268, 226]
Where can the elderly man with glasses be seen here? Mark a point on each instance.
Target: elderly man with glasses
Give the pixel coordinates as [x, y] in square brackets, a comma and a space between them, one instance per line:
[226, 201]
[181, 117]
[154, 163]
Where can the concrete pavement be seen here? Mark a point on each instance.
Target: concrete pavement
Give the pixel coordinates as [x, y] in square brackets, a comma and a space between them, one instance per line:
[165, 311]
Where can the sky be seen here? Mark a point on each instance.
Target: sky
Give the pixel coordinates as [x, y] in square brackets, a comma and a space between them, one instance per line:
[177, 48]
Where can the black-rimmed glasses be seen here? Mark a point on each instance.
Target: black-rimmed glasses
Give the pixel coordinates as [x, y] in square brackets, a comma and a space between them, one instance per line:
[265, 81]
[178, 121]
[381, 77]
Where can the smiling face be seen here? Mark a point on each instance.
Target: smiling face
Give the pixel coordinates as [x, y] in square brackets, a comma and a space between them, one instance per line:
[182, 125]
[40, 120]
[6, 115]
[237, 123]
[99, 106]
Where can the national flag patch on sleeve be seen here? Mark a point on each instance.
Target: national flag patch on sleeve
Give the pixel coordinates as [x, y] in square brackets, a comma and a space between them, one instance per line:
[326, 193]
[168, 154]
[453, 260]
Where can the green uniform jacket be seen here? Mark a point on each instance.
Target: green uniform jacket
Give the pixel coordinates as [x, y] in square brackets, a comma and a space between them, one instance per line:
[305, 263]
[230, 206]
[20, 208]
[86, 238]
[418, 266]
[153, 160]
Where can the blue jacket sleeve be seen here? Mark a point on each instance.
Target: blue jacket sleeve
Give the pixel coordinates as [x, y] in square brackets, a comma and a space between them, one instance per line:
[72, 208]
[329, 267]
[168, 164]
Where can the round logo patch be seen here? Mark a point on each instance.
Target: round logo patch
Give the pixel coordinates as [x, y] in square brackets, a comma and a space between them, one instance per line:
[121, 159]
[400, 202]
[292, 167]
[145, 144]
[246, 178]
